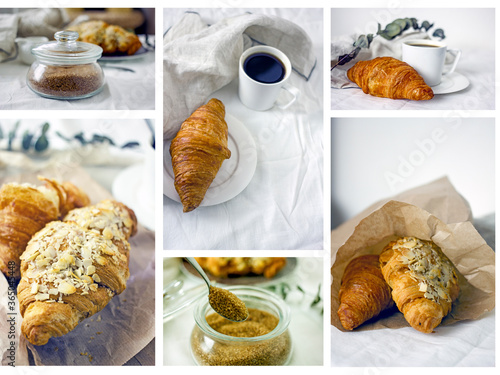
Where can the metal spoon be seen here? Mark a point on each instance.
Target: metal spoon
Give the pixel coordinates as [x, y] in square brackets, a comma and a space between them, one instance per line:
[221, 300]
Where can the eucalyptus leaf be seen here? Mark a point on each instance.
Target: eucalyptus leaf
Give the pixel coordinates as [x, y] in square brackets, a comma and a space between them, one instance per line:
[80, 138]
[344, 59]
[12, 135]
[414, 24]
[131, 145]
[27, 140]
[363, 41]
[426, 25]
[58, 133]
[1, 133]
[42, 143]
[403, 23]
[101, 139]
[439, 33]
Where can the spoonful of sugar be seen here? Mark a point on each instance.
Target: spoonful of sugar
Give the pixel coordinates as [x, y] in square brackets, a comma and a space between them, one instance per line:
[224, 302]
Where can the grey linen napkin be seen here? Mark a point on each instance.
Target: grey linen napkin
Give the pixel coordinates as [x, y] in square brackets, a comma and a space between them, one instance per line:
[31, 22]
[199, 59]
[379, 47]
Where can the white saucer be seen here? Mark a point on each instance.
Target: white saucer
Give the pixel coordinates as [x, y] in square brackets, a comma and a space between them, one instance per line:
[126, 190]
[452, 82]
[235, 173]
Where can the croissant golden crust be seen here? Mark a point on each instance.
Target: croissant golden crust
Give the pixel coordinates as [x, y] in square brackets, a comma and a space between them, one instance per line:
[111, 38]
[197, 152]
[25, 209]
[388, 77]
[71, 269]
[363, 293]
[423, 280]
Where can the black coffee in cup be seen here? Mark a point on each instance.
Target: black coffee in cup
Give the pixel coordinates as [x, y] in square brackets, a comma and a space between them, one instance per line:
[264, 68]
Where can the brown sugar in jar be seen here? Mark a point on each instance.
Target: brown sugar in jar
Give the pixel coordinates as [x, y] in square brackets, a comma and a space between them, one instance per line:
[66, 68]
[67, 81]
[262, 339]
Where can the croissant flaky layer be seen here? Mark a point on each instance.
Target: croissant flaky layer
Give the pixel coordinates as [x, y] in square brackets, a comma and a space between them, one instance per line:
[111, 38]
[423, 280]
[388, 77]
[197, 152]
[25, 209]
[71, 269]
[363, 293]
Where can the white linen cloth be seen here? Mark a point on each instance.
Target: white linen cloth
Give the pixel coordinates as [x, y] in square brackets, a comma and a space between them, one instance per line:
[478, 66]
[31, 22]
[282, 207]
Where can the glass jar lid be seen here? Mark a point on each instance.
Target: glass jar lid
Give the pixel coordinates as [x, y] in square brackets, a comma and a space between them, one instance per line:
[66, 49]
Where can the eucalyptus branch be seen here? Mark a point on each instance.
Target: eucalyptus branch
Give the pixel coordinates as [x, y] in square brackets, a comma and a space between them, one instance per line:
[391, 31]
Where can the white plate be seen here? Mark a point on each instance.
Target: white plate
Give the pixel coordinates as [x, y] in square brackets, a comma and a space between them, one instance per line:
[452, 82]
[122, 57]
[235, 173]
[126, 190]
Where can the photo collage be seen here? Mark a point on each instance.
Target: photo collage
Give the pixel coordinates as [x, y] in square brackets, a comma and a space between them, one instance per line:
[303, 184]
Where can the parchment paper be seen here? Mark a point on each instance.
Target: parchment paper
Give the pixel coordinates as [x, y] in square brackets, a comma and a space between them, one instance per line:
[118, 332]
[370, 231]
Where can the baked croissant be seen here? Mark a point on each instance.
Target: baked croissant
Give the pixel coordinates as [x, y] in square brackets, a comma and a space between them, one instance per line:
[71, 269]
[363, 293]
[225, 267]
[197, 151]
[25, 209]
[388, 77]
[423, 281]
[111, 38]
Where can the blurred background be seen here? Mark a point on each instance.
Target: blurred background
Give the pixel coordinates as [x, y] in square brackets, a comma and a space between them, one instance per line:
[377, 158]
[139, 20]
[118, 155]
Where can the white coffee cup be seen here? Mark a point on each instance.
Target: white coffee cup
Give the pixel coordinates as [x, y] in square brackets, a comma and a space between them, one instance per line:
[427, 58]
[259, 95]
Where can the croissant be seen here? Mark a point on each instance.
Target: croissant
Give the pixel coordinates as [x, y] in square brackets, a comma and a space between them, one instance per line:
[225, 267]
[72, 268]
[197, 151]
[111, 38]
[389, 78]
[25, 209]
[363, 293]
[423, 281]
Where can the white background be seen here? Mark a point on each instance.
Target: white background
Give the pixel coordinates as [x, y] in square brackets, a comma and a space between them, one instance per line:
[463, 28]
[375, 158]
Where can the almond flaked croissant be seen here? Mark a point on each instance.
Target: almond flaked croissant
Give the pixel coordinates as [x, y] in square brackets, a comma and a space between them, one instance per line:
[197, 152]
[71, 269]
[388, 77]
[25, 209]
[363, 293]
[423, 281]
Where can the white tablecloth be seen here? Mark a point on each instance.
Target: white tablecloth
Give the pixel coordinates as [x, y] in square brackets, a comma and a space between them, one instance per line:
[282, 207]
[477, 66]
[123, 90]
[306, 325]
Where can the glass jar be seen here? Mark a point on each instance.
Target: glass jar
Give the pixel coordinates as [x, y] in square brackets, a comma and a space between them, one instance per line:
[212, 348]
[66, 69]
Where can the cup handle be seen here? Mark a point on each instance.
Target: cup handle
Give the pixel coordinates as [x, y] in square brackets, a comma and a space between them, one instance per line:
[292, 90]
[457, 53]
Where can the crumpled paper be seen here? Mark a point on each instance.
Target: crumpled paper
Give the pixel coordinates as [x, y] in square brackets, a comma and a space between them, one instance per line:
[199, 59]
[448, 227]
[119, 331]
